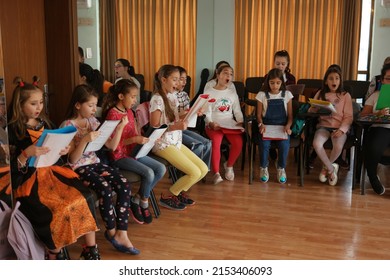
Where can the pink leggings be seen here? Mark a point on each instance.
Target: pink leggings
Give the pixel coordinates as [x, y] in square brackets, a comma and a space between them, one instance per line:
[216, 137]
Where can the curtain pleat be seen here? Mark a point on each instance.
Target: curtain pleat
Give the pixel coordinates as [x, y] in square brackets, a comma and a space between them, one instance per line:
[151, 33]
[107, 38]
[312, 31]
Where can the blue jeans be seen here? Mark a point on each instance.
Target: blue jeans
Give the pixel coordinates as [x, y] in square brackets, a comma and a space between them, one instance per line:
[283, 147]
[199, 145]
[150, 170]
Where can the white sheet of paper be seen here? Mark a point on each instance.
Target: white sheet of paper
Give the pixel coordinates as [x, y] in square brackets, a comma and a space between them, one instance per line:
[106, 130]
[230, 125]
[192, 114]
[156, 134]
[56, 142]
[275, 132]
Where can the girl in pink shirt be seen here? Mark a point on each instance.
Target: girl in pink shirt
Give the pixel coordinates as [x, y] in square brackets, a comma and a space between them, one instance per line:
[334, 126]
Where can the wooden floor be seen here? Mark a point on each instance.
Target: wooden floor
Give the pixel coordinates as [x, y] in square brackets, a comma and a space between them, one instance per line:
[235, 220]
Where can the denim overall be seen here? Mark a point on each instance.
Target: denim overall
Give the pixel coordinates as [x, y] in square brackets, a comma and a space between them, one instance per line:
[275, 115]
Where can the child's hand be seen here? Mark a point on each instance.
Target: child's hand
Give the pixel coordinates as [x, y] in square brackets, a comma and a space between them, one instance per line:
[181, 125]
[214, 126]
[287, 129]
[141, 140]
[65, 150]
[91, 136]
[124, 121]
[337, 133]
[384, 111]
[239, 124]
[34, 151]
[262, 129]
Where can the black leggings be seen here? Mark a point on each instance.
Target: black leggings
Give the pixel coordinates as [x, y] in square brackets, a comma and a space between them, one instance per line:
[104, 179]
[378, 139]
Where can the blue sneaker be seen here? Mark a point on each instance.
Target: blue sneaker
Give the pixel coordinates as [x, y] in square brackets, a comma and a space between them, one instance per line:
[264, 175]
[282, 177]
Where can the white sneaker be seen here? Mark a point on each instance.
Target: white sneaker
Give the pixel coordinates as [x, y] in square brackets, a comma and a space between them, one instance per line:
[333, 176]
[264, 175]
[323, 175]
[217, 178]
[229, 172]
[282, 177]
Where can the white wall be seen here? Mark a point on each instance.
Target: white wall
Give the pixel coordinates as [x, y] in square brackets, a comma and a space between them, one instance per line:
[88, 35]
[380, 39]
[215, 35]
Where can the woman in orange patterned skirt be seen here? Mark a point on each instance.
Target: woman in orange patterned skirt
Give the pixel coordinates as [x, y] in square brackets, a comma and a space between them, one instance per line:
[53, 199]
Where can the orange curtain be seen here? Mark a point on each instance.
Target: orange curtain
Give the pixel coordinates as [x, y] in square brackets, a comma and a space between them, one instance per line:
[311, 31]
[151, 33]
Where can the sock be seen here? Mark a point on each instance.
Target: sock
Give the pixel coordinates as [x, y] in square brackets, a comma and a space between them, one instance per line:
[135, 200]
[144, 204]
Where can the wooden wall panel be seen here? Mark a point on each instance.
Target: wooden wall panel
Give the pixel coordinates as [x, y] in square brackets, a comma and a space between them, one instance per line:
[62, 54]
[23, 41]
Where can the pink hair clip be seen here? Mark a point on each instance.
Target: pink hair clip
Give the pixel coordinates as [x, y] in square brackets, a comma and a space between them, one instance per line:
[35, 83]
[21, 84]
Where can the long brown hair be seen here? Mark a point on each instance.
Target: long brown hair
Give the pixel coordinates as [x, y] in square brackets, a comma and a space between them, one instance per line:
[20, 95]
[164, 72]
[122, 86]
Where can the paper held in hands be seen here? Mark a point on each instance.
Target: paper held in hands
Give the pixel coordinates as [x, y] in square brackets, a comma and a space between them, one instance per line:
[322, 104]
[384, 97]
[231, 124]
[192, 114]
[274, 132]
[56, 140]
[153, 134]
[106, 129]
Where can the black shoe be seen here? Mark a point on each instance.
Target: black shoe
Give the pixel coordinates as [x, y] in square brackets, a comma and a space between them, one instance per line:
[183, 198]
[147, 215]
[377, 185]
[172, 202]
[136, 213]
[272, 154]
[90, 253]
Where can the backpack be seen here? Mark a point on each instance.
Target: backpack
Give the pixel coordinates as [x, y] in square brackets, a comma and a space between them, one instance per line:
[299, 123]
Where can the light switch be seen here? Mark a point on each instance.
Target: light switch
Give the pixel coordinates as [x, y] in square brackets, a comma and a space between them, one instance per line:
[89, 52]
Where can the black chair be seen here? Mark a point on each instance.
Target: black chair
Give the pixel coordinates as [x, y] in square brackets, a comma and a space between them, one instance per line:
[252, 86]
[204, 75]
[145, 95]
[296, 143]
[187, 87]
[311, 86]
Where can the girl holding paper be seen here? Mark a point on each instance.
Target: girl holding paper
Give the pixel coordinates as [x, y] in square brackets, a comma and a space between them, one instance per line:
[220, 122]
[274, 110]
[99, 177]
[378, 138]
[200, 145]
[334, 126]
[52, 198]
[163, 110]
[120, 99]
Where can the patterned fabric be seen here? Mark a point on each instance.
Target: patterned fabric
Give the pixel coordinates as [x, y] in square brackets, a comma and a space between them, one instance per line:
[104, 179]
[169, 137]
[128, 131]
[88, 157]
[53, 199]
[184, 102]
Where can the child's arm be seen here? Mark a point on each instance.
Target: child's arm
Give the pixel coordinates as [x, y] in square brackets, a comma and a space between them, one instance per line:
[112, 143]
[75, 152]
[347, 114]
[260, 117]
[31, 151]
[287, 128]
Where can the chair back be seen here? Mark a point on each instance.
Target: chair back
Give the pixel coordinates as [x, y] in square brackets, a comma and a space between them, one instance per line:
[311, 86]
[296, 90]
[240, 89]
[204, 77]
[187, 87]
[357, 89]
[254, 84]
